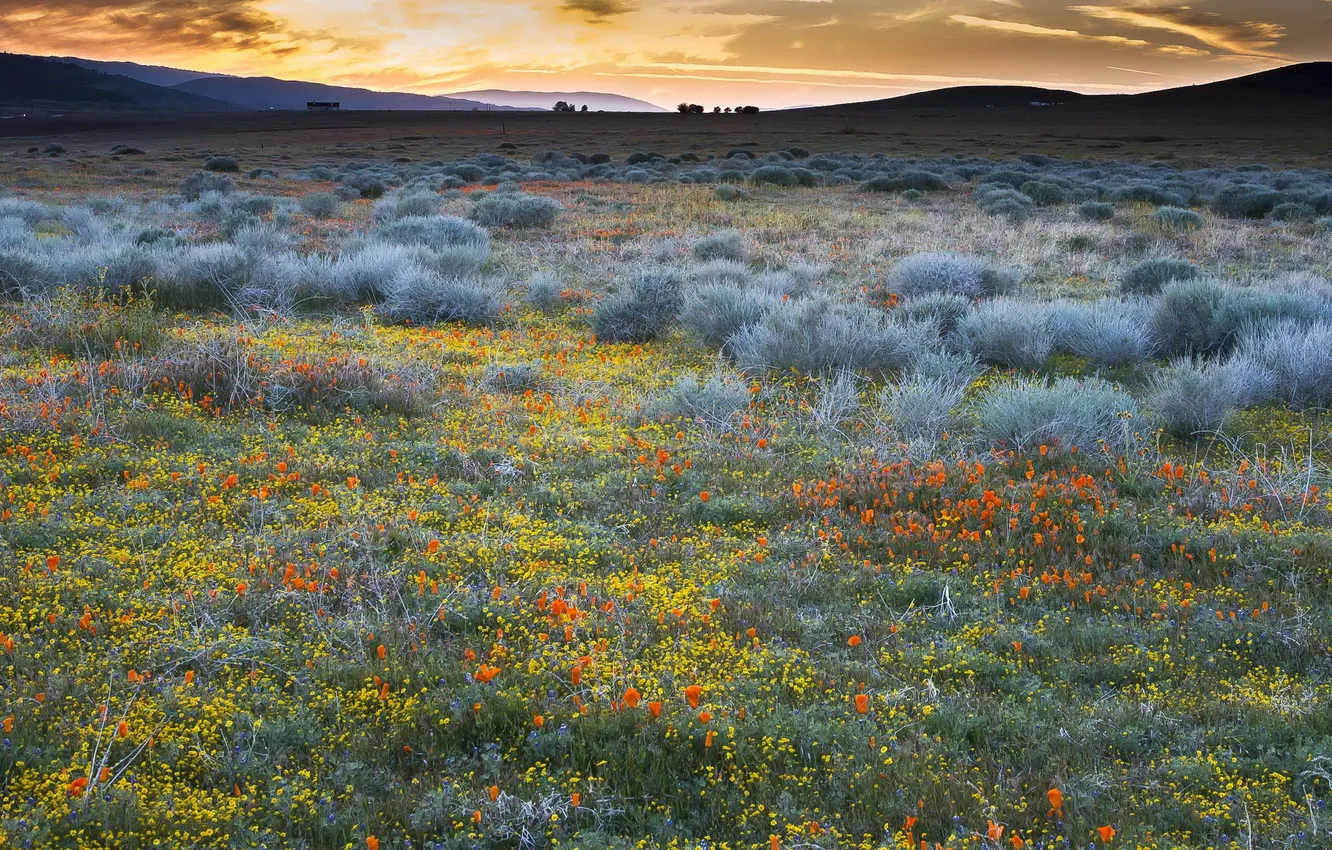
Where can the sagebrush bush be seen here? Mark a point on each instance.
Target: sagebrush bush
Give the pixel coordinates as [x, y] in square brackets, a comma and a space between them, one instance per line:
[321, 205]
[1292, 211]
[221, 164]
[1177, 218]
[1006, 332]
[1149, 277]
[773, 175]
[544, 292]
[1298, 358]
[714, 404]
[413, 204]
[817, 336]
[1245, 201]
[722, 245]
[1044, 194]
[713, 313]
[920, 407]
[956, 274]
[1193, 396]
[643, 310]
[515, 210]
[1108, 332]
[1096, 211]
[421, 297]
[436, 231]
[1181, 320]
[1063, 415]
[203, 182]
[941, 309]
[730, 193]
[910, 179]
[721, 271]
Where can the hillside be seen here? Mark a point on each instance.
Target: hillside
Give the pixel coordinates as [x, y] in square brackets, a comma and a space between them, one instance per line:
[1309, 82]
[272, 93]
[157, 75]
[50, 83]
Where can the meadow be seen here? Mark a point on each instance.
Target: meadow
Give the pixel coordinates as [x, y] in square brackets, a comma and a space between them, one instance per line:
[721, 499]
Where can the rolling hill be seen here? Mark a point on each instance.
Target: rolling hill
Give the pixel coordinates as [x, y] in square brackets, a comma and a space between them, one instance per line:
[33, 81]
[272, 93]
[1305, 83]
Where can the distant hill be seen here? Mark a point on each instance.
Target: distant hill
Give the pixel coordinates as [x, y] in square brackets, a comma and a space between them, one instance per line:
[157, 75]
[596, 101]
[271, 93]
[1308, 82]
[34, 81]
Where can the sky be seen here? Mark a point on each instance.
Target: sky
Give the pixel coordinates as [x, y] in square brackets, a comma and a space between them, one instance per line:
[769, 53]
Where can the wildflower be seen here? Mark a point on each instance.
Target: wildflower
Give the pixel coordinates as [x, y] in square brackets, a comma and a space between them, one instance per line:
[1106, 833]
[1056, 798]
[493, 791]
[854, 640]
[704, 496]
[995, 831]
[692, 693]
[654, 708]
[862, 703]
[631, 697]
[371, 843]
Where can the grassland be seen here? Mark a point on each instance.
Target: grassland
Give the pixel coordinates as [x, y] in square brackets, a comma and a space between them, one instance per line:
[364, 498]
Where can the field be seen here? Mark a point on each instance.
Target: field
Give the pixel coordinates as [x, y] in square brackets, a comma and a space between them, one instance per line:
[456, 493]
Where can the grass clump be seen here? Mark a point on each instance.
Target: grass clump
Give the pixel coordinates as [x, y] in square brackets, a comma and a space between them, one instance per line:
[722, 245]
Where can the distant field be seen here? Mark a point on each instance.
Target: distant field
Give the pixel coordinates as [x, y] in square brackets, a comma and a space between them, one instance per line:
[1280, 133]
[537, 481]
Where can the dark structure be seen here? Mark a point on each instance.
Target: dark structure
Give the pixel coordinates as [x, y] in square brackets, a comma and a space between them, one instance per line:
[323, 105]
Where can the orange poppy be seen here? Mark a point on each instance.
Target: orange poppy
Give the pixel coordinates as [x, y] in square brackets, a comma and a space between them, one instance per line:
[655, 709]
[1106, 833]
[1056, 798]
[705, 716]
[862, 703]
[493, 791]
[854, 640]
[995, 832]
[631, 697]
[371, 843]
[704, 496]
[692, 693]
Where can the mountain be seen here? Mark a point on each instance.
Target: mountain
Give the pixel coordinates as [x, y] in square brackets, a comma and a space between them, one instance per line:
[271, 93]
[156, 75]
[1305, 83]
[34, 81]
[596, 101]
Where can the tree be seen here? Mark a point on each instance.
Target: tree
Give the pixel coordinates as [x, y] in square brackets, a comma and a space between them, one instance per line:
[690, 108]
[748, 110]
[716, 110]
[584, 109]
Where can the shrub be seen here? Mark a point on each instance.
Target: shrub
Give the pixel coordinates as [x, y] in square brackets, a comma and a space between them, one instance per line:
[321, 205]
[544, 292]
[1245, 201]
[721, 271]
[1181, 320]
[1009, 208]
[817, 336]
[1150, 276]
[941, 309]
[730, 193]
[516, 210]
[31, 212]
[961, 368]
[203, 275]
[957, 274]
[714, 404]
[23, 271]
[364, 186]
[421, 297]
[407, 205]
[1292, 211]
[773, 175]
[1177, 218]
[1145, 193]
[202, 182]
[1064, 415]
[1044, 194]
[368, 274]
[713, 313]
[922, 408]
[912, 178]
[1298, 358]
[436, 231]
[1006, 332]
[221, 164]
[1096, 211]
[722, 245]
[641, 311]
[1106, 332]
[1191, 397]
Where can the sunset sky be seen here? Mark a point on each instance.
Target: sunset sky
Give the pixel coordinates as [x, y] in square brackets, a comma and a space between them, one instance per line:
[767, 52]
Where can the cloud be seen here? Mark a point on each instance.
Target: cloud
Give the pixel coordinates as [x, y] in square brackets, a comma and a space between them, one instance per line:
[1045, 32]
[1244, 37]
[598, 11]
[181, 24]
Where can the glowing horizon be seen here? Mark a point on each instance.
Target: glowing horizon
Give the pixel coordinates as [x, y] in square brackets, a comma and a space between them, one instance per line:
[771, 53]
